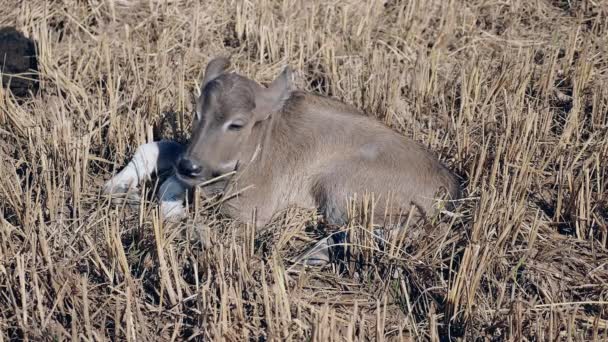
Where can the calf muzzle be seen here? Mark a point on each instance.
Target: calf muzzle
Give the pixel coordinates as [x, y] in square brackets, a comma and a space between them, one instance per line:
[186, 167]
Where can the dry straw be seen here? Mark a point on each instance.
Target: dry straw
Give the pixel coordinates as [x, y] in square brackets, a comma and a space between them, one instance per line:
[513, 95]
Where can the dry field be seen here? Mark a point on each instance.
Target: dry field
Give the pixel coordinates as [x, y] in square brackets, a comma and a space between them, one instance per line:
[512, 95]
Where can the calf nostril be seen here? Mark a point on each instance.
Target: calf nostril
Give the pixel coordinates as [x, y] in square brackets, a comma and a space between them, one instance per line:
[188, 168]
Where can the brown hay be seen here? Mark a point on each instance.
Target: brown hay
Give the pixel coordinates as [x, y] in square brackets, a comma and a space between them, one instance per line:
[513, 95]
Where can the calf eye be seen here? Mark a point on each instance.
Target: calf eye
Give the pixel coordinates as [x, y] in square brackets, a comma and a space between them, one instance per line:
[235, 126]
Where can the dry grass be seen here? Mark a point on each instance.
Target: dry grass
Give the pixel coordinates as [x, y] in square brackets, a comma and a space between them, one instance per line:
[513, 95]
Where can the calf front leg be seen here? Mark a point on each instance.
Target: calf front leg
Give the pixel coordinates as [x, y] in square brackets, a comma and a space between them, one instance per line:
[149, 158]
[171, 196]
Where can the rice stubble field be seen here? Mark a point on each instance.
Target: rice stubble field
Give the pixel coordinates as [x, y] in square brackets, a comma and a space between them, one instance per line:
[511, 95]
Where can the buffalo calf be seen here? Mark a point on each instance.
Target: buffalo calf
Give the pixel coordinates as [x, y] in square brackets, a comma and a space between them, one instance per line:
[287, 147]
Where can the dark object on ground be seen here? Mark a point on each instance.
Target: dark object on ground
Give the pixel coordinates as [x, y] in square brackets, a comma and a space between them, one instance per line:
[18, 62]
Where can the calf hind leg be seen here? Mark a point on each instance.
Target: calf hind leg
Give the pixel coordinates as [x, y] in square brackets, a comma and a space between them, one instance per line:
[332, 203]
[333, 208]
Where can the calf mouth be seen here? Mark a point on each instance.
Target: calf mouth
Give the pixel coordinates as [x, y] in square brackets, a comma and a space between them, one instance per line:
[218, 182]
[189, 180]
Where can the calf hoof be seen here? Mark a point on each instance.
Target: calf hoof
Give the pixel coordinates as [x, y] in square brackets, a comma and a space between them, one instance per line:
[173, 211]
[122, 193]
[316, 256]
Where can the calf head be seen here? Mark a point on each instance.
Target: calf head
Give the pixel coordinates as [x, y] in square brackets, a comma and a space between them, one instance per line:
[227, 127]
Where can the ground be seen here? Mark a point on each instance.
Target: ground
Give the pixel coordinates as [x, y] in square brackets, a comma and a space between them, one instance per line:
[512, 95]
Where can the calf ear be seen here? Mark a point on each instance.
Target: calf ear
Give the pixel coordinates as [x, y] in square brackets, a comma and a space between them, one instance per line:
[214, 69]
[272, 99]
[198, 114]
